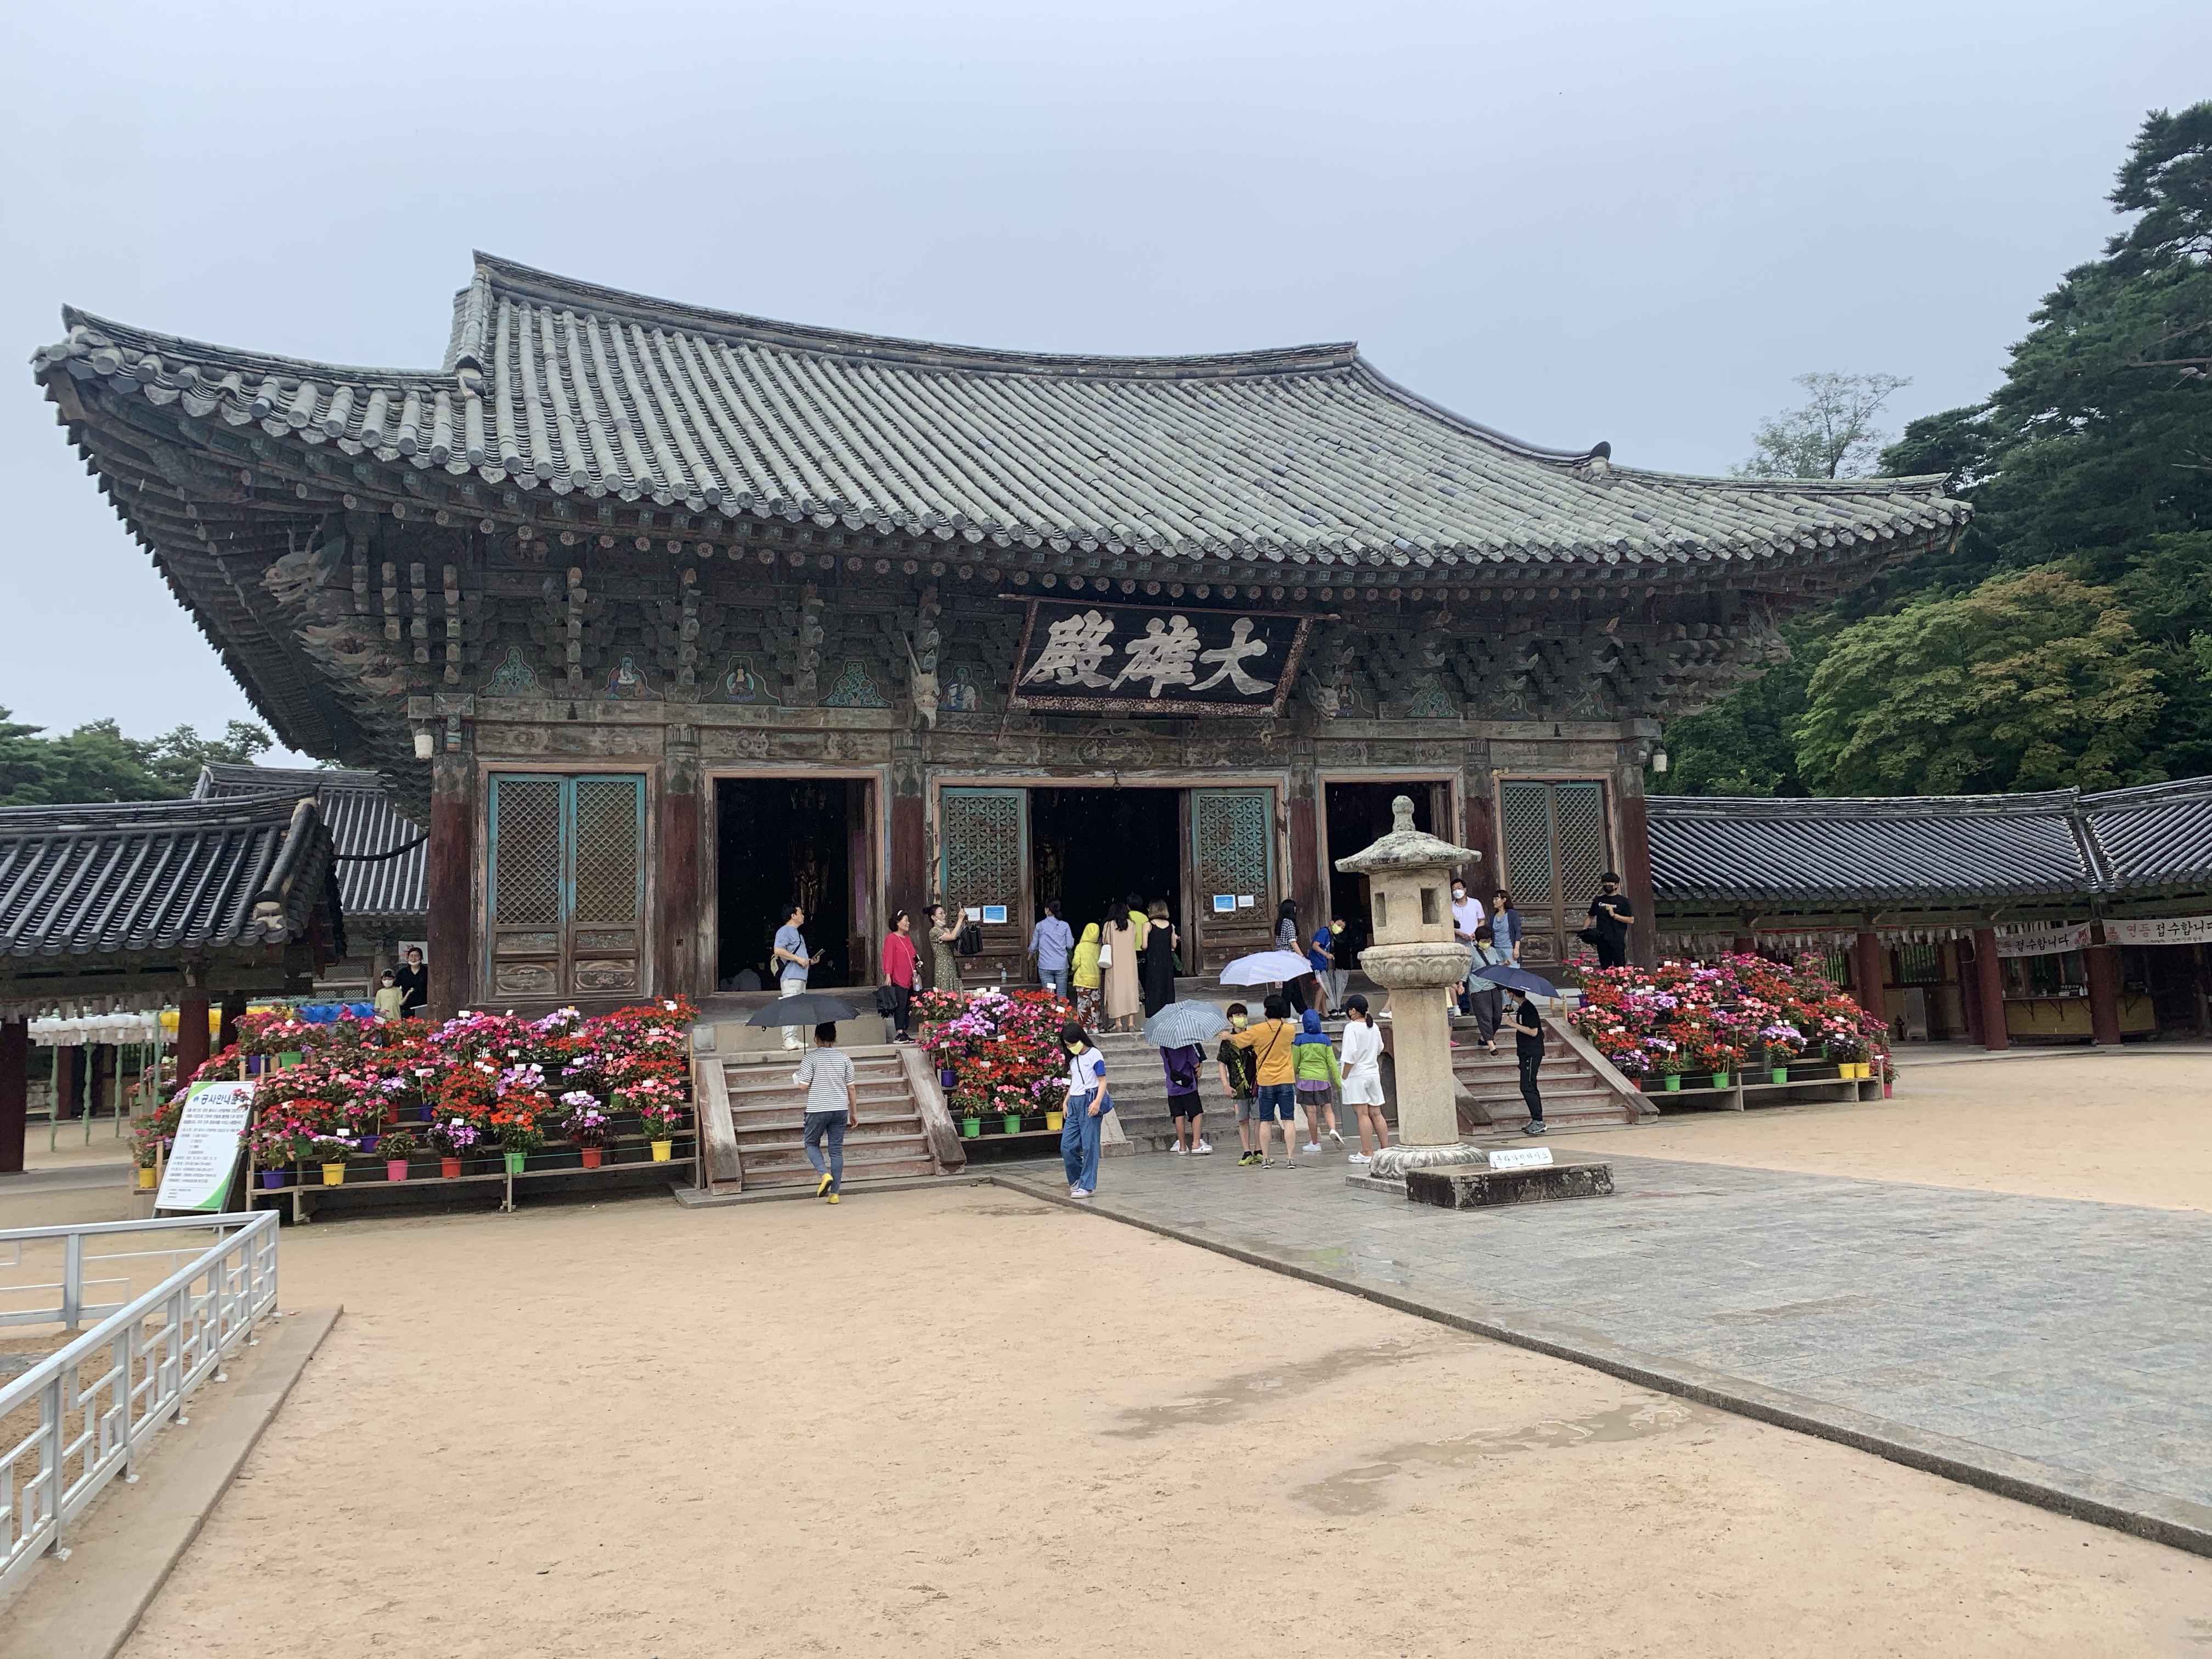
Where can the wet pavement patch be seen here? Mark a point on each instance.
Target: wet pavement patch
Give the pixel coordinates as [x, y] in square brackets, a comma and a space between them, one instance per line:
[1233, 1397]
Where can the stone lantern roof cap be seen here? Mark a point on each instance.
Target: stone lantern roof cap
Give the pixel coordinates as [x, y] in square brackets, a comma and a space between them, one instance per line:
[1405, 848]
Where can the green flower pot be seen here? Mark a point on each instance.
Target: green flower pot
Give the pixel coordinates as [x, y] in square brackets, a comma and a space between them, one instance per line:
[1672, 1082]
[1779, 1074]
[514, 1161]
[971, 1129]
[1014, 1122]
[1720, 1080]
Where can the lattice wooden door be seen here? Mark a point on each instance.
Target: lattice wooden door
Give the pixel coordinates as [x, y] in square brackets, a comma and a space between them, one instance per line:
[983, 860]
[568, 885]
[1557, 845]
[1232, 854]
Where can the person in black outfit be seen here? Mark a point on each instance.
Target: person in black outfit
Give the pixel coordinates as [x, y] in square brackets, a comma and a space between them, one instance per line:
[1610, 914]
[1286, 939]
[413, 980]
[1528, 1024]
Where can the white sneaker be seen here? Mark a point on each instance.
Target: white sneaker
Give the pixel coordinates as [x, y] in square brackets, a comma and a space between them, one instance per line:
[1357, 1158]
[1078, 1191]
[1203, 1148]
[1335, 1137]
[1176, 1149]
[1313, 1146]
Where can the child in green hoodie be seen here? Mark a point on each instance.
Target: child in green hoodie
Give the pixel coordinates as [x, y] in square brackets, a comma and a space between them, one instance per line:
[1317, 1072]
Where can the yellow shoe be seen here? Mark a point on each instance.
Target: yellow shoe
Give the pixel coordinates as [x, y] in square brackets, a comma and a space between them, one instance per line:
[832, 1198]
[822, 1186]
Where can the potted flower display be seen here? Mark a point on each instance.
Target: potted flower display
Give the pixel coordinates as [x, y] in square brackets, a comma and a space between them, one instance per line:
[586, 1125]
[397, 1145]
[452, 1135]
[1783, 1039]
[514, 1125]
[660, 1104]
[332, 1152]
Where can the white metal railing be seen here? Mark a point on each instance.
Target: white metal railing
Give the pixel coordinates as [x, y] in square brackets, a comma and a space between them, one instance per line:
[109, 1391]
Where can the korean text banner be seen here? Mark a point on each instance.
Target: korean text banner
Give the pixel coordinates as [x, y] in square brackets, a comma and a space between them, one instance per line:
[1156, 659]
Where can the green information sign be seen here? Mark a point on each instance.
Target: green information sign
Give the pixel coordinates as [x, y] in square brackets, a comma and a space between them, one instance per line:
[204, 1160]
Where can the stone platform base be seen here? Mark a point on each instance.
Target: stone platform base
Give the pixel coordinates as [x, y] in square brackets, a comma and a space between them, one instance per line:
[1474, 1190]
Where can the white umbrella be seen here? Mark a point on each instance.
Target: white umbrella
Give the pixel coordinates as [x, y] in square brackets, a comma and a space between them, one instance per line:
[1266, 968]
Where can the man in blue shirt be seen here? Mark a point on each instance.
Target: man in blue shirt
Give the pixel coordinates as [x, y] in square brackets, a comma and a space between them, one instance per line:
[1328, 987]
[790, 962]
[1050, 941]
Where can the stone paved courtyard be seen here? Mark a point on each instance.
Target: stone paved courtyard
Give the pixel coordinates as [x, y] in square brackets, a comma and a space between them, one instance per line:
[2074, 1335]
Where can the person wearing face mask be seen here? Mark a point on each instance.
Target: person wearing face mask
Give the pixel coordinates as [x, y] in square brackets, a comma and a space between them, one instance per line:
[1610, 913]
[1239, 1081]
[1467, 916]
[1087, 1102]
[1328, 978]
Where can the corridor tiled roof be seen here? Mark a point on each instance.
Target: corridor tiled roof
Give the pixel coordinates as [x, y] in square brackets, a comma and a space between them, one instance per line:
[1308, 452]
[168, 877]
[364, 821]
[2157, 836]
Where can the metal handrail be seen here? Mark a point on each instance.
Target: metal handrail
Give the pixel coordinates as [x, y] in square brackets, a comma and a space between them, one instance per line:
[158, 1349]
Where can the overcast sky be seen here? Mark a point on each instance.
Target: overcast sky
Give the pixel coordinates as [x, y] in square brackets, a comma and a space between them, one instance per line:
[1633, 222]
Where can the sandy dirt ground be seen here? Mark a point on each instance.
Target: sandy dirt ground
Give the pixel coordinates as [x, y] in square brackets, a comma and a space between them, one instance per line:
[2130, 1128]
[957, 1422]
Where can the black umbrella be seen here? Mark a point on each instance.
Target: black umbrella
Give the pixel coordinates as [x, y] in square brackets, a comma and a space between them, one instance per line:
[807, 1008]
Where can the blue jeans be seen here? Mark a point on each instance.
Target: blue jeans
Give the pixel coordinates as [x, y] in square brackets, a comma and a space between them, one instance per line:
[1278, 1100]
[831, 1125]
[1061, 981]
[1078, 1142]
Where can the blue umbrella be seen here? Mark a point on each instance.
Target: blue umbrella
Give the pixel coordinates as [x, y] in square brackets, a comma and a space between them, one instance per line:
[1518, 979]
[1181, 1023]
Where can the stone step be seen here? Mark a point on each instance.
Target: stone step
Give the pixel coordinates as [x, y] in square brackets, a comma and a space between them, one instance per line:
[790, 1099]
[861, 1161]
[745, 1079]
[783, 1136]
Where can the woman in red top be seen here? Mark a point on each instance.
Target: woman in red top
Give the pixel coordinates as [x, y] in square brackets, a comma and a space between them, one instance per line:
[899, 962]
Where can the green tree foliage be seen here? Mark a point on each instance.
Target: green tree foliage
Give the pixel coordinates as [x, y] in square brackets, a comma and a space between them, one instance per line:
[2029, 682]
[2092, 459]
[1832, 435]
[97, 762]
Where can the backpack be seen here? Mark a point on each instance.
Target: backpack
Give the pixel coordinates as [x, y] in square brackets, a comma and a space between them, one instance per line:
[969, 942]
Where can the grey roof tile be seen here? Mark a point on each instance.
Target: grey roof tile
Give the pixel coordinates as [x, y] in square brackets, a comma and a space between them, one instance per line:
[364, 820]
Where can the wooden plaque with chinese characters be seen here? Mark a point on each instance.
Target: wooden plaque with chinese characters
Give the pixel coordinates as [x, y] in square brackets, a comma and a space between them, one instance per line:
[1077, 658]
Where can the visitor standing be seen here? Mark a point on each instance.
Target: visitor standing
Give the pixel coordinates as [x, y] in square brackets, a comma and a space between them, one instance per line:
[1321, 951]
[1184, 1108]
[1087, 1099]
[1467, 916]
[1117, 956]
[1610, 914]
[1286, 939]
[944, 966]
[1238, 1080]
[1274, 1068]
[390, 1000]
[1090, 979]
[1528, 1049]
[1489, 997]
[1050, 943]
[1505, 925]
[792, 963]
[902, 965]
[412, 977]
[1157, 959]
[1362, 1061]
[1314, 1063]
[833, 1106]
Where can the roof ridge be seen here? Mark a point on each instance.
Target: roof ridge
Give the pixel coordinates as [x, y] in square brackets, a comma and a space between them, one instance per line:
[2048, 801]
[496, 277]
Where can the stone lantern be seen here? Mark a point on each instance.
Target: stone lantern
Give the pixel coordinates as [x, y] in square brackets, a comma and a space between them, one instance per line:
[1409, 893]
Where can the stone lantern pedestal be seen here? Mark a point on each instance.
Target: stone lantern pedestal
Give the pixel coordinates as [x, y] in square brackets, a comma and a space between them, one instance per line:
[1409, 890]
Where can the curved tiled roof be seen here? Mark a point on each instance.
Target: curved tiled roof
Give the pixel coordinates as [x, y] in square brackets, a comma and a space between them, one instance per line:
[159, 876]
[558, 384]
[2159, 835]
[1849, 850]
[365, 822]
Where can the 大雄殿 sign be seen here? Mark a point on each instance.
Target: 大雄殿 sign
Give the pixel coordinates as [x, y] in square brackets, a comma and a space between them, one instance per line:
[1156, 659]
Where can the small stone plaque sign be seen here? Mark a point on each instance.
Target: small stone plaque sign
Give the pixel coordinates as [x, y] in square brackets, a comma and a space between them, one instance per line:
[1522, 1158]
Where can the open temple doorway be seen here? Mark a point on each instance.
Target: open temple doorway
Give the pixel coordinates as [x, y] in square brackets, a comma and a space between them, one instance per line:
[781, 841]
[1091, 848]
[1357, 815]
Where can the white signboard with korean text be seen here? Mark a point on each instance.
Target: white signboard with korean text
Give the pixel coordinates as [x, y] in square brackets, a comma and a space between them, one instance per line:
[2161, 930]
[205, 1156]
[2044, 941]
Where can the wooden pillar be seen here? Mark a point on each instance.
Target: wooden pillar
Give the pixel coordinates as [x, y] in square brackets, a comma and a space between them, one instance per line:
[678, 901]
[104, 1060]
[14, 1092]
[1988, 990]
[2103, 963]
[452, 868]
[1869, 971]
[1489, 876]
[234, 1010]
[69, 1082]
[1636, 880]
[1744, 945]
[908, 879]
[191, 1034]
[1306, 885]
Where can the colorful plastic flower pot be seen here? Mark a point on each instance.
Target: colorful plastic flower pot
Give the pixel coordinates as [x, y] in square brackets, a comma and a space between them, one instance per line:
[514, 1161]
[450, 1168]
[272, 1178]
[592, 1155]
[395, 1169]
[291, 1057]
[334, 1175]
[369, 1143]
[1054, 1120]
[947, 1076]
[1721, 1079]
[1779, 1074]
[1672, 1082]
[971, 1129]
[146, 1174]
[1013, 1121]
[663, 1150]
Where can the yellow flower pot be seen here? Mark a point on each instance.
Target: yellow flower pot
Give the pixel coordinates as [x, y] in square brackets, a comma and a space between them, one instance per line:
[146, 1177]
[1053, 1119]
[662, 1149]
[334, 1175]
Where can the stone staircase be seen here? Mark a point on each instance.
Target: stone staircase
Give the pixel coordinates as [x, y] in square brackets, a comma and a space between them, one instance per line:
[1576, 1096]
[1140, 1088]
[767, 1113]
